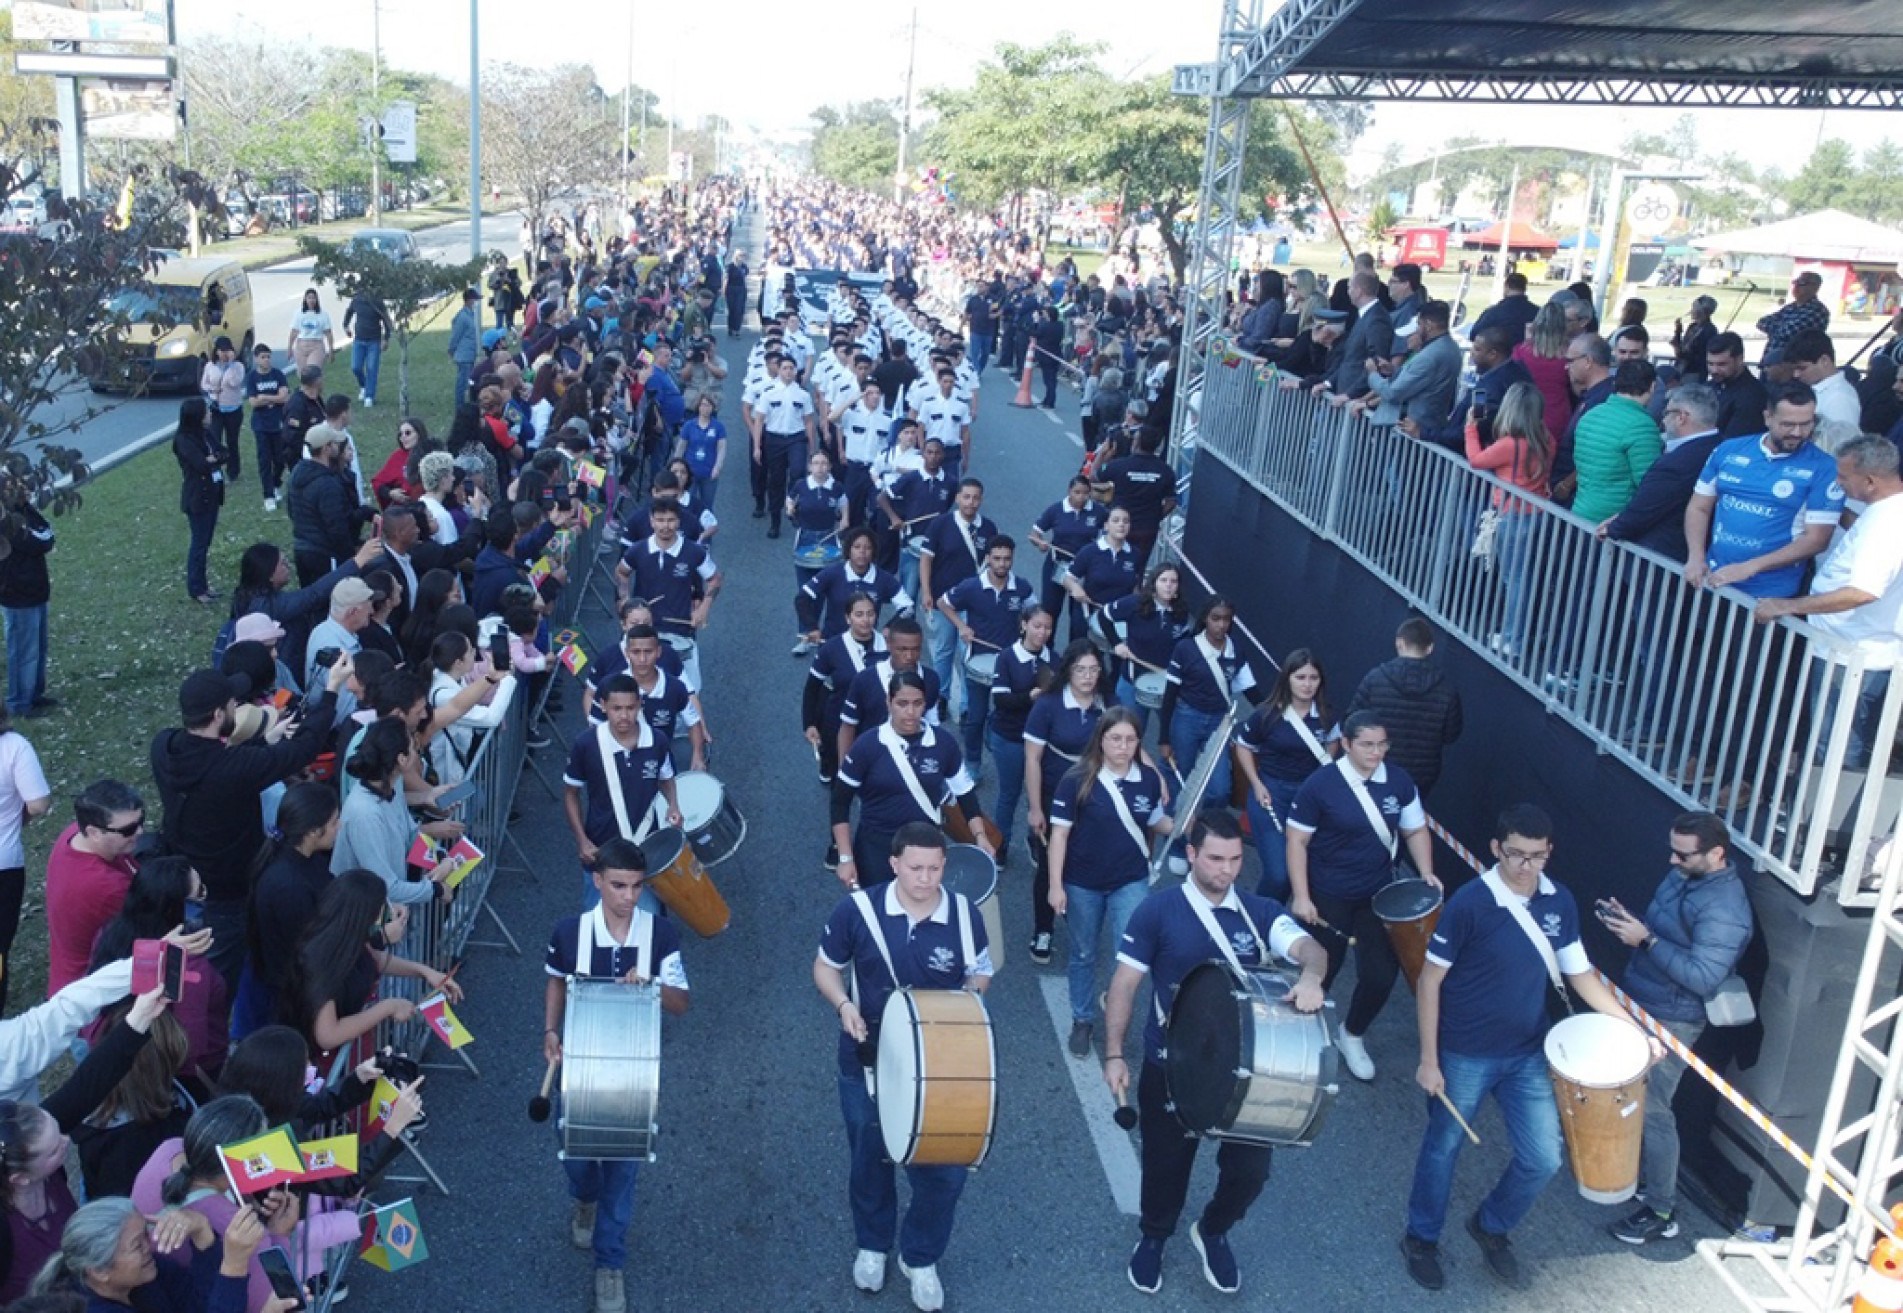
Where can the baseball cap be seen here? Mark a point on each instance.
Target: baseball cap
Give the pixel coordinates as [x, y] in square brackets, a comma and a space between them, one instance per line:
[206, 691]
[492, 338]
[351, 592]
[321, 436]
[257, 627]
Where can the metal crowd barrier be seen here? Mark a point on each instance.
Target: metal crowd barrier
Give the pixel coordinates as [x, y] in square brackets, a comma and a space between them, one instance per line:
[1758, 722]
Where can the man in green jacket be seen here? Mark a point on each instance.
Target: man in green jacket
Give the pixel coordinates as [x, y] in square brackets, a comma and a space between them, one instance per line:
[1616, 444]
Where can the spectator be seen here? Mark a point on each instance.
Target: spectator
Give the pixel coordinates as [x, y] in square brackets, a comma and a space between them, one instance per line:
[1496, 372]
[155, 906]
[462, 344]
[201, 462]
[397, 481]
[1406, 296]
[293, 872]
[351, 602]
[377, 831]
[269, 393]
[1633, 343]
[496, 565]
[25, 588]
[263, 579]
[142, 1112]
[1690, 343]
[87, 875]
[310, 342]
[1742, 400]
[1413, 700]
[369, 326]
[452, 664]
[1589, 371]
[1543, 355]
[342, 955]
[24, 794]
[1520, 455]
[1615, 444]
[1813, 359]
[322, 502]
[1655, 516]
[1264, 320]
[1145, 485]
[1370, 338]
[1423, 388]
[1514, 311]
[1802, 313]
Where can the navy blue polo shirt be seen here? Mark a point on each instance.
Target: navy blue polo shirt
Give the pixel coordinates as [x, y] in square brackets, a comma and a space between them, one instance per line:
[885, 803]
[1016, 676]
[835, 585]
[1166, 940]
[865, 696]
[926, 954]
[1345, 858]
[1069, 528]
[1493, 1001]
[816, 507]
[1106, 574]
[833, 666]
[667, 707]
[952, 561]
[1189, 670]
[612, 958]
[642, 768]
[1151, 638]
[1280, 753]
[614, 661]
[994, 614]
[916, 493]
[1099, 852]
[1062, 727]
[671, 581]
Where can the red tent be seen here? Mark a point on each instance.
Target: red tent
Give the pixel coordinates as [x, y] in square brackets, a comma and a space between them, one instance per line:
[1523, 237]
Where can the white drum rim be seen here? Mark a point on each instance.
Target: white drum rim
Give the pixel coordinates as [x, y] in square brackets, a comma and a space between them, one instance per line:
[688, 783]
[899, 1062]
[1598, 1052]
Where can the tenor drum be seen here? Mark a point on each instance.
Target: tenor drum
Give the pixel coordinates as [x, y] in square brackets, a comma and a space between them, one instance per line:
[937, 1078]
[970, 872]
[611, 1071]
[813, 550]
[1598, 1064]
[981, 668]
[713, 824]
[683, 644]
[1149, 687]
[915, 545]
[680, 880]
[1241, 1063]
[1409, 910]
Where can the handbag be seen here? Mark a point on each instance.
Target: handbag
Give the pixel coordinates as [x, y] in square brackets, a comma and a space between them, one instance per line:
[1484, 533]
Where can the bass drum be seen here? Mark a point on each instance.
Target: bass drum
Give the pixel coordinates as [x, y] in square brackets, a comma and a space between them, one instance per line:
[611, 1071]
[679, 880]
[937, 1078]
[1241, 1063]
[969, 872]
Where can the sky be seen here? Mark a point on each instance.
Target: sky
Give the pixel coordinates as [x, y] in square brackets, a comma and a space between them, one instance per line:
[769, 65]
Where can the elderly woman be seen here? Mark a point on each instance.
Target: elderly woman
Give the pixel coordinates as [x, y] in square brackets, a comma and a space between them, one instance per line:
[1691, 341]
[107, 1254]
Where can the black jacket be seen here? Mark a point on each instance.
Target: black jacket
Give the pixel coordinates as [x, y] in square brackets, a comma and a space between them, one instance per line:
[322, 506]
[1655, 517]
[1741, 404]
[1421, 711]
[23, 577]
[199, 460]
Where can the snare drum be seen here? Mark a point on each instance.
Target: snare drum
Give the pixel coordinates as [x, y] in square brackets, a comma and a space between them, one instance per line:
[678, 879]
[1409, 910]
[915, 546]
[1149, 688]
[970, 872]
[813, 550]
[713, 824]
[611, 1071]
[683, 644]
[937, 1078]
[1241, 1063]
[981, 668]
[1598, 1064]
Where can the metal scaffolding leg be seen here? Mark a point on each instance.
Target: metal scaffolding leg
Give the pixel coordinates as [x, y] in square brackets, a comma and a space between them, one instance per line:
[429, 1176]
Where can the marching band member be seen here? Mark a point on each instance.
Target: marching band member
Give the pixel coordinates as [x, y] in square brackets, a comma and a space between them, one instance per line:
[817, 507]
[1024, 674]
[1061, 725]
[947, 417]
[1173, 931]
[1103, 569]
[614, 660]
[862, 424]
[666, 705]
[822, 602]
[913, 500]
[841, 659]
[614, 940]
[986, 610]
[1142, 629]
[905, 931]
[619, 766]
[1285, 741]
[678, 578]
[784, 434]
[1205, 675]
[865, 707]
[954, 551]
[1063, 530]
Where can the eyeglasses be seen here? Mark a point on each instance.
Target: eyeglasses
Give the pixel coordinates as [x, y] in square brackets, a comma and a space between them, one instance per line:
[1680, 855]
[1526, 859]
[126, 831]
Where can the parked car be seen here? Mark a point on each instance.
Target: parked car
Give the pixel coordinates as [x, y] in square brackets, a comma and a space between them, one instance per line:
[394, 243]
[187, 305]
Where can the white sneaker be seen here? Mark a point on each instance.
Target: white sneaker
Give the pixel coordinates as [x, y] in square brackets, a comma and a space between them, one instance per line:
[270, 504]
[928, 1296]
[868, 1271]
[1355, 1054]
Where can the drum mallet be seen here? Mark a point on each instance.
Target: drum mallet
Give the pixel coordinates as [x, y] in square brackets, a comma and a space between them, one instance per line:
[1125, 1116]
[1454, 1112]
[538, 1106]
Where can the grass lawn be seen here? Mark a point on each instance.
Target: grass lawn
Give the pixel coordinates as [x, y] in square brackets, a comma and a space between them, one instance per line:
[124, 633]
[280, 244]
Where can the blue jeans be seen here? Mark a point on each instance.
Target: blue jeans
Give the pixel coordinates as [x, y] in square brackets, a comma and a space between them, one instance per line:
[908, 574]
[270, 448]
[365, 360]
[463, 370]
[26, 657]
[874, 1192]
[1127, 698]
[1271, 845]
[1863, 718]
[610, 1187]
[942, 650]
[1009, 759]
[1523, 1088]
[976, 715]
[1086, 911]
[1511, 544]
[1190, 730]
[203, 525]
[980, 352]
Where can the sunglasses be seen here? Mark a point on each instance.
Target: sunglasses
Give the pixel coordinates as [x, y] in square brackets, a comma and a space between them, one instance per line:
[126, 831]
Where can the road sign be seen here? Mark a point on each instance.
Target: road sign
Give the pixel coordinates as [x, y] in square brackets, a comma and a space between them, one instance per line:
[1651, 207]
[399, 132]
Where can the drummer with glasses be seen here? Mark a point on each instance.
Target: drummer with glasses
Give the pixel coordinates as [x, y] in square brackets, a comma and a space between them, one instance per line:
[1141, 630]
[1502, 944]
[987, 610]
[1056, 733]
[901, 930]
[816, 505]
[622, 943]
[1173, 931]
[615, 771]
[1288, 739]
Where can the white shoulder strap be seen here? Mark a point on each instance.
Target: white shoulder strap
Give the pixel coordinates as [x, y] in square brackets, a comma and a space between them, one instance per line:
[1207, 915]
[863, 901]
[585, 945]
[1306, 734]
[1359, 788]
[1516, 907]
[1214, 661]
[1108, 784]
[895, 744]
[962, 906]
[644, 964]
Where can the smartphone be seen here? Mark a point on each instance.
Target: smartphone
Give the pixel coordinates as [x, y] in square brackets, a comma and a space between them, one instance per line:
[1603, 909]
[277, 1270]
[155, 965]
[454, 795]
[327, 657]
[499, 652]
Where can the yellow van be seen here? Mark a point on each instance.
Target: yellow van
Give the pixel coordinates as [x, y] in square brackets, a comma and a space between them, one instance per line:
[202, 300]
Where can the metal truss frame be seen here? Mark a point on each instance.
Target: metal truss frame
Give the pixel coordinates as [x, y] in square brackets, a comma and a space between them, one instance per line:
[1554, 89]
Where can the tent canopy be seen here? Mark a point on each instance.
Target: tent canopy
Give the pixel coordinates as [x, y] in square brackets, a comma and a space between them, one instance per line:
[1829, 235]
[1521, 237]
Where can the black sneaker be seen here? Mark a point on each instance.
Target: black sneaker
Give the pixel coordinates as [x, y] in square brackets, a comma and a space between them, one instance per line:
[1498, 1251]
[1219, 1261]
[759, 512]
[1146, 1265]
[1041, 948]
[1423, 1262]
[773, 532]
[1080, 1039]
[832, 857]
[1644, 1225]
[319, 1284]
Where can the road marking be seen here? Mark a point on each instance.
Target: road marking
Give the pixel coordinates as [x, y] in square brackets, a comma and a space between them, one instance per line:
[1076, 439]
[1051, 415]
[1114, 1149]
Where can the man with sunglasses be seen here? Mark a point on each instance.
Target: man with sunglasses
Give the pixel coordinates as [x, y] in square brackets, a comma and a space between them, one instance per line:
[87, 875]
[1685, 946]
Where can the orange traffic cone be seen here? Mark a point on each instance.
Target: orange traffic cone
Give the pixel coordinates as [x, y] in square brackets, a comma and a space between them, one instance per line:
[1023, 398]
[1881, 1290]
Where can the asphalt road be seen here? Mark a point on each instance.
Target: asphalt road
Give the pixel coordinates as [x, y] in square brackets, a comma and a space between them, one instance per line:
[745, 1208]
[124, 427]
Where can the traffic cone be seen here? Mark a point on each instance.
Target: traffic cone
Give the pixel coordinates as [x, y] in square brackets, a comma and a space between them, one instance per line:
[1881, 1290]
[1023, 398]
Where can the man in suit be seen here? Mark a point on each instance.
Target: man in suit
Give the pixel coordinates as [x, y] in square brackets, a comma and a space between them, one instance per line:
[1423, 388]
[1655, 517]
[1372, 337]
[1497, 371]
[1741, 397]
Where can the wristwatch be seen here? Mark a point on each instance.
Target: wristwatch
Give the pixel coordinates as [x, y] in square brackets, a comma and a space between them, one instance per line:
[1651, 941]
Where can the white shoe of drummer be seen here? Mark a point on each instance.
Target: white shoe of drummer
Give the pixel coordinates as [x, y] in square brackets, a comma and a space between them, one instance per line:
[928, 1294]
[1355, 1054]
[868, 1271]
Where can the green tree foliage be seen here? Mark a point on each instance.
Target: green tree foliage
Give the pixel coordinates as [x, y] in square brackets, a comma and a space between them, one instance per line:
[1828, 179]
[857, 144]
[1878, 193]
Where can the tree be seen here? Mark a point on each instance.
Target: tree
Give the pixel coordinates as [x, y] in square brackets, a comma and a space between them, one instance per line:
[1828, 179]
[404, 288]
[546, 132]
[857, 145]
[1678, 143]
[1878, 194]
[260, 112]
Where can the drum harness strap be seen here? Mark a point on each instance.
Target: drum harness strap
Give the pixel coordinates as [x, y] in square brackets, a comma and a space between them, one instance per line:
[1108, 783]
[1214, 660]
[862, 899]
[895, 744]
[1359, 787]
[1516, 908]
[1313, 744]
[964, 531]
[643, 927]
[605, 739]
[1207, 915]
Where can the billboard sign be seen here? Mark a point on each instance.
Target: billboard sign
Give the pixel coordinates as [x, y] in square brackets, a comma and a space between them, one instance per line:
[122, 22]
[399, 132]
[128, 111]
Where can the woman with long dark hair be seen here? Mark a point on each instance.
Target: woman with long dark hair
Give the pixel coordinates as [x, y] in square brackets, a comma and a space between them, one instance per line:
[165, 895]
[435, 590]
[221, 383]
[1206, 674]
[1024, 674]
[310, 342]
[397, 481]
[201, 462]
[1056, 731]
[264, 573]
[292, 873]
[347, 947]
[1287, 739]
[142, 1112]
[1142, 629]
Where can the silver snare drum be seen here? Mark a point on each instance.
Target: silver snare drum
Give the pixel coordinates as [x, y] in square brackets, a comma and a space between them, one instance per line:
[1149, 687]
[611, 1071]
[713, 823]
[981, 668]
[1242, 1064]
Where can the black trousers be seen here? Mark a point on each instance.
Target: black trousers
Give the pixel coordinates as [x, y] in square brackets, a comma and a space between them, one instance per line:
[1169, 1156]
[779, 449]
[12, 897]
[857, 479]
[311, 566]
[1375, 963]
[1043, 918]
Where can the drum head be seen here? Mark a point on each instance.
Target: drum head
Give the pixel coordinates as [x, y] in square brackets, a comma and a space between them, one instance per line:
[1596, 1051]
[700, 796]
[662, 849]
[1406, 900]
[898, 1076]
[969, 871]
[1203, 1043]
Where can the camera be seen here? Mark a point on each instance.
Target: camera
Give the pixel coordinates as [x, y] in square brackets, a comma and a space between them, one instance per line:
[398, 1068]
[327, 657]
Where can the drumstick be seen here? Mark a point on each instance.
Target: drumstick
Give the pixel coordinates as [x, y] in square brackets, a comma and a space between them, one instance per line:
[1125, 1116]
[1448, 1104]
[982, 643]
[538, 1106]
[1331, 930]
[1146, 665]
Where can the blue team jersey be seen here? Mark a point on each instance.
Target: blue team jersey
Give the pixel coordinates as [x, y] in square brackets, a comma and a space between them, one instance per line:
[1346, 859]
[926, 954]
[640, 768]
[994, 614]
[1764, 502]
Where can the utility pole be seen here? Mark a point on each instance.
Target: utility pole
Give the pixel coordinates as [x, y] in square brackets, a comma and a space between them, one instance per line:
[905, 117]
[475, 140]
[376, 111]
[626, 91]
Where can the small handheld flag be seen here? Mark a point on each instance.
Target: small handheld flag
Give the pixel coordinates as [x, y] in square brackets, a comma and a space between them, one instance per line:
[262, 1162]
[448, 1027]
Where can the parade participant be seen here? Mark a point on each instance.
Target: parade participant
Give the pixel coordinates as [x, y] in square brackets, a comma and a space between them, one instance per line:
[1142, 629]
[1104, 569]
[903, 771]
[1344, 831]
[1205, 675]
[905, 931]
[1065, 528]
[1024, 674]
[987, 611]
[678, 579]
[954, 551]
[862, 423]
[1172, 932]
[614, 660]
[614, 940]
[947, 417]
[822, 602]
[1288, 739]
[840, 660]
[1502, 941]
[703, 445]
[1062, 726]
[915, 499]
[1102, 817]
[666, 704]
[619, 765]
[817, 507]
[783, 432]
[865, 707]
[1144, 484]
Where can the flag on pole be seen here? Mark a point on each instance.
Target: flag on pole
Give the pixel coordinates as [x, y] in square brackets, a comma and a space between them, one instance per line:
[262, 1162]
[590, 475]
[573, 659]
[324, 1159]
[393, 1237]
[382, 1100]
[448, 1027]
[467, 858]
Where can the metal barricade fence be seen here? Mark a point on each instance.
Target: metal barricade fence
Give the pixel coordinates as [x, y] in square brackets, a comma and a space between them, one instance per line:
[1774, 726]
